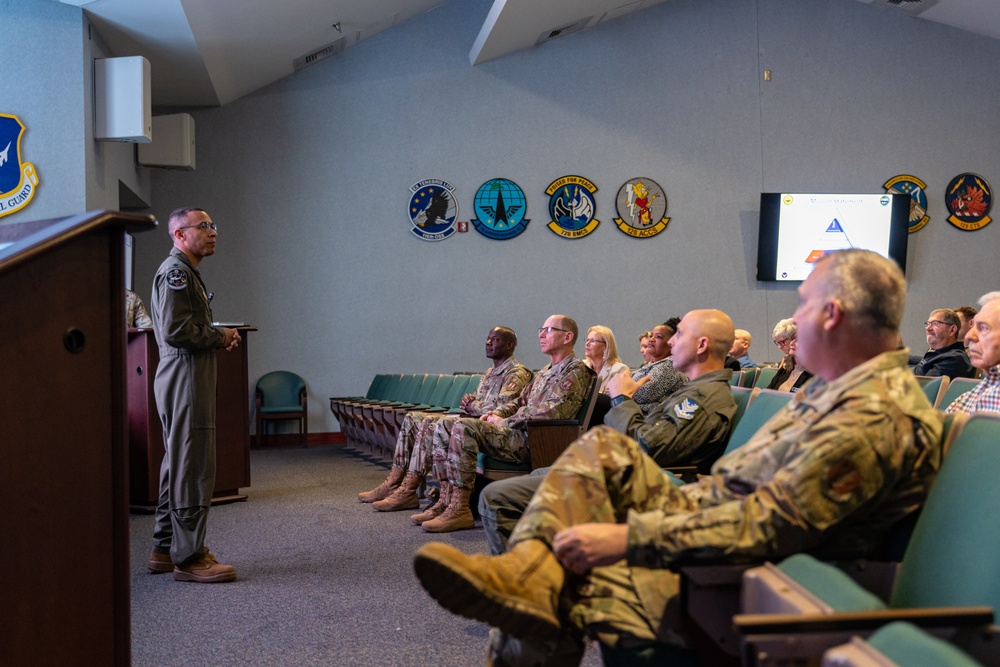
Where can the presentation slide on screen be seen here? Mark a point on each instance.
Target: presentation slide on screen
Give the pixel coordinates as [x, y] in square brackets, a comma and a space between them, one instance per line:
[813, 225]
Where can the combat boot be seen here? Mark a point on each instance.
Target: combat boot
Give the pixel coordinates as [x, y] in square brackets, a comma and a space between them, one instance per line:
[404, 497]
[457, 516]
[385, 489]
[436, 509]
[517, 592]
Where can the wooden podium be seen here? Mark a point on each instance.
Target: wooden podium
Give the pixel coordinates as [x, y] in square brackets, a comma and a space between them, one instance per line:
[145, 433]
[64, 563]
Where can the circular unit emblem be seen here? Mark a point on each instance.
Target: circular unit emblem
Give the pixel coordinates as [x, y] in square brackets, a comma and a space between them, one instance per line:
[968, 198]
[500, 207]
[433, 209]
[917, 189]
[572, 207]
[642, 208]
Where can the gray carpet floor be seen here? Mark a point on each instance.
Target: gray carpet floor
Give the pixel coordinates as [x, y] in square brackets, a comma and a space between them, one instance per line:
[323, 579]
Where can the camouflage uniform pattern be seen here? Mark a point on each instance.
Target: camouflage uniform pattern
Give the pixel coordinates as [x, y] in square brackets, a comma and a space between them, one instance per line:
[556, 392]
[135, 313]
[830, 472]
[695, 434]
[500, 385]
[690, 428]
[664, 381]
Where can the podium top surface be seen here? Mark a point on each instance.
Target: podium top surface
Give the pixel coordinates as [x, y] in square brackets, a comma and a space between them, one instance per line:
[21, 242]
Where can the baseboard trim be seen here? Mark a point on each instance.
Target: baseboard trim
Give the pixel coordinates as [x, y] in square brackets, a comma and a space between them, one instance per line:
[295, 439]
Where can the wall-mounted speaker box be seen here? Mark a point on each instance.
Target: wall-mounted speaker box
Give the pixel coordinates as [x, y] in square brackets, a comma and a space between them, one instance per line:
[122, 100]
[173, 143]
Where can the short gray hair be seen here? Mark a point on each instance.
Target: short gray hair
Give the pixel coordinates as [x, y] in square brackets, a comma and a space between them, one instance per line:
[785, 329]
[986, 298]
[871, 288]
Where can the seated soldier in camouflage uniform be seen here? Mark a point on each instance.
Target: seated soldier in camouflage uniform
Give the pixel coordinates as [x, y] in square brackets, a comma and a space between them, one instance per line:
[853, 452]
[690, 427]
[411, 460]
[556, 392]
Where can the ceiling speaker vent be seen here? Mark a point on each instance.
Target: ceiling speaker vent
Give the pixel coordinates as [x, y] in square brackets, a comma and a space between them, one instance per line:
[561, 31]
[330, 49]
[908, 7]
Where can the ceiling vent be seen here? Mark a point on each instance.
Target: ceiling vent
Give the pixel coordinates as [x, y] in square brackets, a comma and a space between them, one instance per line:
[576, 26]
[908, 7]
[330, 49]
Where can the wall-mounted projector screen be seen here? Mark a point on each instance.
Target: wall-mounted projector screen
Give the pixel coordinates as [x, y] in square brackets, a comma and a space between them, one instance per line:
[797, 229]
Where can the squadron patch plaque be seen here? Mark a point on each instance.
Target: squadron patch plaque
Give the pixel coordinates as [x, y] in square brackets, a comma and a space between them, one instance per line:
[18, 180]
[433, 209]
[572, 207]
[917, 189]
[642, 208]
[969, 198]
[500, 207]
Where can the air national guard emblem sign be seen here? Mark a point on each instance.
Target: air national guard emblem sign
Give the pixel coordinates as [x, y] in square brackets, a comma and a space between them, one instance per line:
[433, 209]
[968, 198]
[641, 208]
[500, 206]
[917, 189]
[18, 180]
[572, 207]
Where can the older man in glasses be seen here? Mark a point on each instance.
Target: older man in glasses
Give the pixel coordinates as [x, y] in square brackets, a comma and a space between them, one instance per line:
[946, 354]
[556, 392]
[185, 397]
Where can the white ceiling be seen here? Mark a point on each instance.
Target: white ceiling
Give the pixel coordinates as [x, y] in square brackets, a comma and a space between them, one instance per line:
[207, 53]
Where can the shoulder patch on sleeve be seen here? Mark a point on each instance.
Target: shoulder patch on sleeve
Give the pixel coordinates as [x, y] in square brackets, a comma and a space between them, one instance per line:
[177, 279]
[686, 409]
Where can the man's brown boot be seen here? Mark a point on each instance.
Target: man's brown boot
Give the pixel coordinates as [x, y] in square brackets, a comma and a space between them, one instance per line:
[517, 592]
[159, 563]
[204, 570]
[435, 510]
[457, 516]
[404, 497]
[385, 489]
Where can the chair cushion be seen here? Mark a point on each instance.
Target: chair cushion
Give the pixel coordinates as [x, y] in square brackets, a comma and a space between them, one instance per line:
[280, 408]
[832, 586]
[485, 462]
[905, 644]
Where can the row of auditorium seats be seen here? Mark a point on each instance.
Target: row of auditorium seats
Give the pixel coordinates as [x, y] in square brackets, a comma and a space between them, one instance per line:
[753, 377]
[948, 581]
[374, 420]
[711, 593]
[941, 391]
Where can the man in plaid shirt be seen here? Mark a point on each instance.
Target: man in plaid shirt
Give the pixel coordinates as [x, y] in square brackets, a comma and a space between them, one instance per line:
[983, 340]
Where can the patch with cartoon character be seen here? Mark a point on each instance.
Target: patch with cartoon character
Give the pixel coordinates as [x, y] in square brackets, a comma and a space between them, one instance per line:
[642, 208]
[969, 198]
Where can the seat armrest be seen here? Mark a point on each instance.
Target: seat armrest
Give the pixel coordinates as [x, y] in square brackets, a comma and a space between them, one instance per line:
[928, 617]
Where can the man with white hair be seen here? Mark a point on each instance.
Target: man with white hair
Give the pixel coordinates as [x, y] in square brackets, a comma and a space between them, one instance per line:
[983, 340]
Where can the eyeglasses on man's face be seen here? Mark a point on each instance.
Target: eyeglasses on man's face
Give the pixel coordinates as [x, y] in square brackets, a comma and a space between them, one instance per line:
[935, 323]
[547, 330]
[203, 226]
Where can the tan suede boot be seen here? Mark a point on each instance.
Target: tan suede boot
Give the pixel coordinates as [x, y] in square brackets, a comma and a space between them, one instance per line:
[435, 510]
[385, 489]
[517, 592]
[457, 516]
[404, 497]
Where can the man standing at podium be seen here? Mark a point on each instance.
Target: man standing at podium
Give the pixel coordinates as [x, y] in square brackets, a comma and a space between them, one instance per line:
[185, 397]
